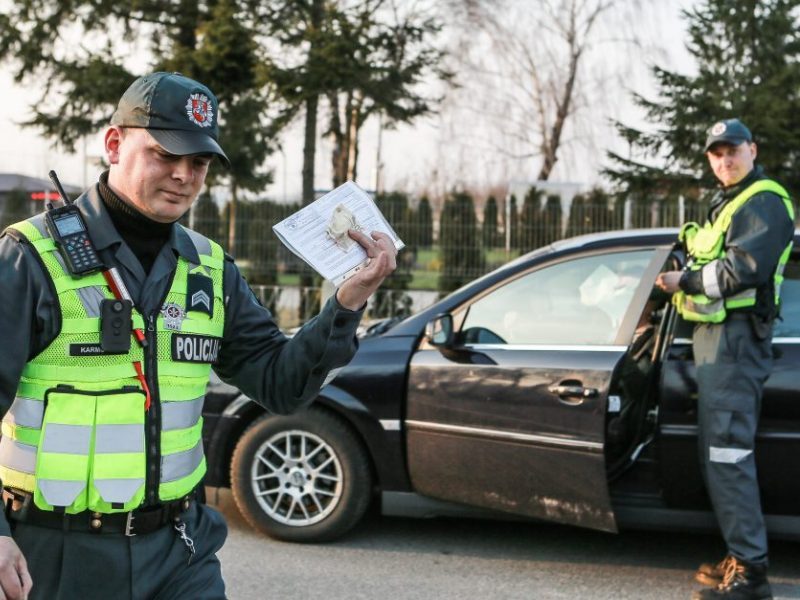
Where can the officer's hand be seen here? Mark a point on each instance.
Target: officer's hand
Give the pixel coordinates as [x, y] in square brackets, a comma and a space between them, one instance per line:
[15, 581]
[382, 254]
[669, 281]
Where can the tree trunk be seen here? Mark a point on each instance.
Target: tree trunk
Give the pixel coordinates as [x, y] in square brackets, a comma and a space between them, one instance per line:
[232, 220]
[309, 149]
[338, 155]
[316, 16]
[353, 124]
[553, 141]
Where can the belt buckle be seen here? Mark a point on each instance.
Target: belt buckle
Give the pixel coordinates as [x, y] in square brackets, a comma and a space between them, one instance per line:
[129, 525]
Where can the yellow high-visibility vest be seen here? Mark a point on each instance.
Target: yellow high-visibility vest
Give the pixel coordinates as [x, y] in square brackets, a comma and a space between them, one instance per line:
[707, 243]
[75, 435]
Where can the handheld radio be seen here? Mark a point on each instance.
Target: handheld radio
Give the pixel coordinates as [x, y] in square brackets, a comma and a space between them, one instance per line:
[68, 229]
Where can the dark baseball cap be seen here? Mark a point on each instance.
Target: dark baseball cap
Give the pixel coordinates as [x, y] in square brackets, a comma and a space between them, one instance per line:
[180, 113]
[729, 131]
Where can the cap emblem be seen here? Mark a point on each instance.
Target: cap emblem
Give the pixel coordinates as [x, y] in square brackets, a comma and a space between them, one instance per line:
[199, 110]
[718, 128]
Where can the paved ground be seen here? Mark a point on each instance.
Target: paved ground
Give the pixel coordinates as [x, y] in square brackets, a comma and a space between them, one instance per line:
[404, 559]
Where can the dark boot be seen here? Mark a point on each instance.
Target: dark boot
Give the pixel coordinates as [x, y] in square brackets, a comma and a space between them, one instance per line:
[712, 574]
[742, 581]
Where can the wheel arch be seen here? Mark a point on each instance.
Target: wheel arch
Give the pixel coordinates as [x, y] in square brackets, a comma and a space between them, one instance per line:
[333, 400]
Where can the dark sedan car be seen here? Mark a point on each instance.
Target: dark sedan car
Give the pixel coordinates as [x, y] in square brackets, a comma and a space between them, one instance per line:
[559, 387]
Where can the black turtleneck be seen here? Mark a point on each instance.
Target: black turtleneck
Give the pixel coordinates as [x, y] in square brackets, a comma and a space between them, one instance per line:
[144, 236]
[730, 192]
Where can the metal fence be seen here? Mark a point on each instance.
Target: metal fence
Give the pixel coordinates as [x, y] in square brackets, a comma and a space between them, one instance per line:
[427, 272]
[434, 262]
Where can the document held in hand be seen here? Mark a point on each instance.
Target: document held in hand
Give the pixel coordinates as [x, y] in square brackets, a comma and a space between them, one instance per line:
[317, 233]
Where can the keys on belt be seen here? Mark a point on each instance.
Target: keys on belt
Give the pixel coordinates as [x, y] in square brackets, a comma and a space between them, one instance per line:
[21, 509]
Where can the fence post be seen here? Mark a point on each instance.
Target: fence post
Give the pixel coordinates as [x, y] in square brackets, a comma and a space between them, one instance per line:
[627, 217]
[507, 224]
[326, 291]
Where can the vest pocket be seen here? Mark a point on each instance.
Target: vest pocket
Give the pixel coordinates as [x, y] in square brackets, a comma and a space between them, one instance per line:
[91, 453]
[118, 462]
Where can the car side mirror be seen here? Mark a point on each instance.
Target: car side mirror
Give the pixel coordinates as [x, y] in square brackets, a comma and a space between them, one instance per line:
[439, 331]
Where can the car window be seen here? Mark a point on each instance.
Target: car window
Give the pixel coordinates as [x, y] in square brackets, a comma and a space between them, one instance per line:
[789, 323]
[580, 301]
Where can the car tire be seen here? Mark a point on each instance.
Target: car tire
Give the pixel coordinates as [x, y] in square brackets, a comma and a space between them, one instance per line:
[301, 478]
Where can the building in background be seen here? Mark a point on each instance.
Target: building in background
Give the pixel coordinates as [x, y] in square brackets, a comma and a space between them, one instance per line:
[18, 191]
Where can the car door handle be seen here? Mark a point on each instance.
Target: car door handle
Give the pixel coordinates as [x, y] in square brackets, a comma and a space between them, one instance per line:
[572, 394]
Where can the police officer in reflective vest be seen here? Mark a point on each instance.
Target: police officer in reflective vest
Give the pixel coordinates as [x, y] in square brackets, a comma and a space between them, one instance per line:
[102, 374]
[731, 290]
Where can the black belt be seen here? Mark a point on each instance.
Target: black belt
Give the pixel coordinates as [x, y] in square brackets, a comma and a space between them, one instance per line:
[21, 509]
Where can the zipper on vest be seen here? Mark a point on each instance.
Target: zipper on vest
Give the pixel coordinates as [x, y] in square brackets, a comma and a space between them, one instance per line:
[152, 416]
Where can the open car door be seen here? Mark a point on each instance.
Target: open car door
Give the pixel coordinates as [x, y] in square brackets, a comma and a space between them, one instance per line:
[510, 413]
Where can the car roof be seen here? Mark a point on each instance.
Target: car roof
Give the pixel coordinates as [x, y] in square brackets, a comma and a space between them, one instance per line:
[659, 236]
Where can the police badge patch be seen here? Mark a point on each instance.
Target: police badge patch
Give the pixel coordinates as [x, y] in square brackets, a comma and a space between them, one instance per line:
[173, 316]
[199, 110]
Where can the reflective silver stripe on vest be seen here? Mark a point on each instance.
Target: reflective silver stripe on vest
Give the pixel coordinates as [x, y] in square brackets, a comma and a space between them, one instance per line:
[38, 222]
[118, 490]
[60, 492]
[727, 455]
[66, 439]
[779, 279]
[201, 243]
[25, 412]
[91, 297]
[181, 464]
[703, 309]
[114, 439]
[17, 456]
[180, 415]
[710, 281]
[60, 261]
[748, 294]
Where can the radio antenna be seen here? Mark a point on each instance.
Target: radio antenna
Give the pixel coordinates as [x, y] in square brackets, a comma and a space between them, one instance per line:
[59, 189]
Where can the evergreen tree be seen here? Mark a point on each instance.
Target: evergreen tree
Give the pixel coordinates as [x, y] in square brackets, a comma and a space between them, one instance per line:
[531, 223]
[748, 66]
[424, 223]
[589, 213]
[264, 253]
[380, 59]
[513, 224]
[550, 218]
[390, 299]
[461, 255]
[491, 238]
[212, 42]
[206, 217]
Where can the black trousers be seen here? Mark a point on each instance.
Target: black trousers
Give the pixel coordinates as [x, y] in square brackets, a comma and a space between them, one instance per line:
[155, 566]
[732, 366]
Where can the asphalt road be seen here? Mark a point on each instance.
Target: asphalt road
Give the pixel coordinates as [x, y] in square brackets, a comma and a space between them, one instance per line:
[405, 559]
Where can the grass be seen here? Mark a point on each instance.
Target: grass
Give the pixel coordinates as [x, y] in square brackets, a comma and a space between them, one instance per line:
[288, 279]
[427, 267]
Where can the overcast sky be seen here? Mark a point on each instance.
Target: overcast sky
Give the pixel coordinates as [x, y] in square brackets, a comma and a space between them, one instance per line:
[412, 155]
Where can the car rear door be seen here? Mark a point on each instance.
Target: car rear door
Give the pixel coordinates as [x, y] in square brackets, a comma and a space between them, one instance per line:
[512, 416]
